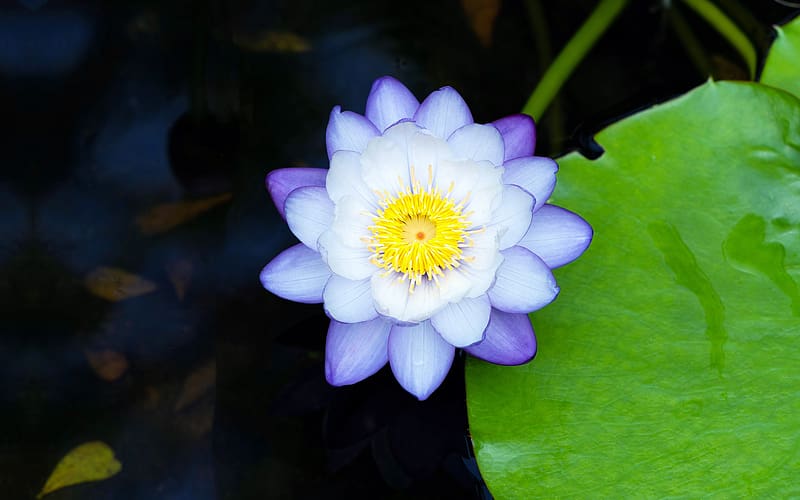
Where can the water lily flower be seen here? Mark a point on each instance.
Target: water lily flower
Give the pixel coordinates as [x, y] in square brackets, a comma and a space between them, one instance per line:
[428, 233]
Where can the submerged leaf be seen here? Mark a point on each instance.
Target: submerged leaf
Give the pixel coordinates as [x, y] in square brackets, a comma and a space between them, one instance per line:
[668, 365]
[116, 284]
[109, 365]
[199, 383]
[162, 218]
[272, 41]
[481, 15]
[92, 461]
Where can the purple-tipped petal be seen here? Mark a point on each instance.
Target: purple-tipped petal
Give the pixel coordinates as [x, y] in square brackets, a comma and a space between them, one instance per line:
[348, 131]
[513, 216]
[463, 322]
[389, 102]
[354, 351]
[309, 213]
[478, 142]
[443, 112]
[534, 174]
[298, 273]
[557, 236]
[420, 358]
[283, 181]
[519, 135]
[349, 301]
[524, 283]
[509, 340]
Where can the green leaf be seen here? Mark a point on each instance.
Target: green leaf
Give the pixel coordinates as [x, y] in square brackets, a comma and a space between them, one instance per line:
[782, 67]
[669, 363]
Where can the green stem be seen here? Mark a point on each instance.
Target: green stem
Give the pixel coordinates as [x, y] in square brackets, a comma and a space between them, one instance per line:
[544, 55]
[690, 43]
[756, 31]
[716, 18]
[569, 57]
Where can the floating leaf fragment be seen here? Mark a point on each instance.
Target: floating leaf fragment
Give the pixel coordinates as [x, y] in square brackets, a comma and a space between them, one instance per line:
[116, 284]
[199, 383]
[272, 41]
[108, 364]
[162, 218]
[481, 15]
[92, 461]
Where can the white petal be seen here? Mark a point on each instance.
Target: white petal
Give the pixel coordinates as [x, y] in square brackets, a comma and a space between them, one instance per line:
[477, 185]
[349, 301]
[442, 112]
[425, 153]
[393, 298]
[352, 221]
[344, 178]
[351, 263]
[354, 351]
[389, 101]
[478, 142]
[483, 249]
[402, 132]
[420, 358]
[534, 174]
[480, 280]
[348, 131]
[476, 271]
[513, 217]
[455, 284]
[524, 282]
[464, 322]
[309, 212]
[384, 163]
[298, 273]
[557, 235]
[423, 302]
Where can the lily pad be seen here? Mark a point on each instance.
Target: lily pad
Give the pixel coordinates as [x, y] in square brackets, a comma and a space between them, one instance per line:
[782, 68]
[669, 363]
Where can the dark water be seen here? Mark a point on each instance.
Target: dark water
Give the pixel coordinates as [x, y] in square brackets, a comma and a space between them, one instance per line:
[205, 385]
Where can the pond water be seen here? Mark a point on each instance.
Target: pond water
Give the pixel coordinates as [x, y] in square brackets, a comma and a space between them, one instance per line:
[135, 222]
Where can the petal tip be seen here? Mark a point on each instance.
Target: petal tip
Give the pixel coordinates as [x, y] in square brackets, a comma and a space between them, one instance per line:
[383, 81]
[519, 135]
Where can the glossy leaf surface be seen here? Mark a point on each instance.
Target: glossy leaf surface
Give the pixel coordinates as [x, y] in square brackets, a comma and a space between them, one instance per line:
[668, 365]
[782, 67]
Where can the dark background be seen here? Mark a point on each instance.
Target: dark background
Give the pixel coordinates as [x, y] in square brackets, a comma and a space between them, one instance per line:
[205, 385]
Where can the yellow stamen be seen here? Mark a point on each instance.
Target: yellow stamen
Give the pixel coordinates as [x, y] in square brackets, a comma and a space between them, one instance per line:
[419, 232]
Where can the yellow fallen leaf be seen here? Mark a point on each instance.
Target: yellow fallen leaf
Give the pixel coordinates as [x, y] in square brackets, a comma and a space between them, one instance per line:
[481, 15]
[115, 284]
[92, 461]
[162, 218]
[272, 41]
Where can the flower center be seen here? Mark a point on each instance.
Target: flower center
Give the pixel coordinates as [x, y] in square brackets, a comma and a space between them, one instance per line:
[419, 233]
